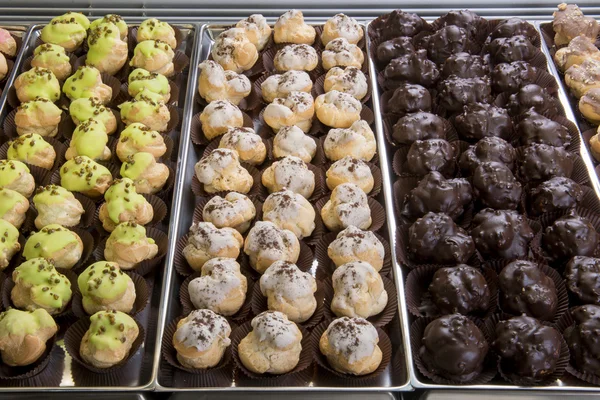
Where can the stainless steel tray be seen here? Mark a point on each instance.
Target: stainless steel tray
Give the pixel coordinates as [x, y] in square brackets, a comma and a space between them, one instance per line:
[184, 204]
[138, 375]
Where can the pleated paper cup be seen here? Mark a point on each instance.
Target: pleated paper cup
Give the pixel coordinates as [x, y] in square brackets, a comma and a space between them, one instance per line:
[35, 371]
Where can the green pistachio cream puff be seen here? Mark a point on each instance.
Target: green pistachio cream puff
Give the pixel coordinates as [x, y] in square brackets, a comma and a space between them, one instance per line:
[39, 285]
[154, 29]
[87, 82]
[39, 116]
[140, 79]
[54, 58]
[56, 205]
[107, 51]
[115, 19]
[147, 110]
[32, 149]
[61, 245]
[37, 82]
[9, 243]
[104, 287]
[89, 139]
[136, 138]
[128, 246]
[92, 107]
[13, 206]
[124, 204]
[23, 335]
[147, 175]
[16, 176]
[86, 176]
[68, 30]
[154, 56]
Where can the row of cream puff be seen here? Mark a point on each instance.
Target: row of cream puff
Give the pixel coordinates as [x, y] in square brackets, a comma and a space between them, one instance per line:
[8, 49]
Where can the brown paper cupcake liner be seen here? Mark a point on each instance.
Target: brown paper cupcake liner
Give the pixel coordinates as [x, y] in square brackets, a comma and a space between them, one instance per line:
[493, 23]
[377, 213]
[75, 334]
[132, 36]
[304, 263]
[320, 186]
[10, 127]
[158, 206]
[319, 89]
[400, 162]
[198, 215]
[48, 376]
[420, 303]
[318, 159]
[268, 64]
[351, 380]
[29, 371]
[197, 135]
[327, 265]
[142, 297]
[257, 189]
[214, 144]
[124, 95]
[388, 129]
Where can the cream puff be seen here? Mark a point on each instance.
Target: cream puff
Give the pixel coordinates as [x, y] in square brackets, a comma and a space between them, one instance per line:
[105, 287]
[257, 30]
[340, 53]
[13, 207]
[124, 204]
[148, 176]
[92, 107]
[249, 146]
[299, 57]
[138, 138]
[154, 29]
[146, 110]
[218, 116]
[291, 211]
[297, 109]
[54, 58]
[107, 49]
[235, 210]
[89, 139]
[267, 243]
[128, 245]
[289, 173]
[39, 116]
[8, 44]
[37, 83]
[56, 243]
[16, 176]
[86, 176]
[341, 26]
[291, 28]
[589, 106]
[68, 30]
[581, 78]
[291, 141]
[140, 79]
[221, 171]
[3, 66]
[154, 56]
[350, 170]
[216, 83]
[87, 82]
[357, 141]
[337, 109]
[32, 149]
[354, 244]
[9, 244]
[206, 241]
[56, 205]
[358, 290]
[350, 80]
[281, 85]
[348, 205]
[579, 49]
[569, 22]
[234, 50]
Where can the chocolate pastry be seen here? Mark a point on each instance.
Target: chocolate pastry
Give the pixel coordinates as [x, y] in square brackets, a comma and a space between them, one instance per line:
[525, 289]
[555, 194]
[418, 126]
[527, 348]
[412, 67]
[434, 193]
[570, 235]
[488, 149]
[436, 239]
[409, 98]
[509, 49]
[393, 48]
[542, 162]
[454, 347]
[461, 289]
[514, 27]
[583, 278]
[495, 186]
[479, 120]
[425, 156]
[535, 128]
[445, 42]
[398, 23]
[582, 339]
[501, 234]
[510, 77]
[465, 65]
[531, 96]
[465, 19]
[455, 93]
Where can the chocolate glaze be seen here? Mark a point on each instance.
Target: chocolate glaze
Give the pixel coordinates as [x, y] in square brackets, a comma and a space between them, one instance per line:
[409, 98]
[425, 156]
[412, 67]
[418, 126]
[535, 128]
[583, 278]
[465, 65]
[436, 239]
[510, 77]
[542, 162]
[495, 186]
[455, 93]
[514, 27]
[461, 289]
[479, 120]
[398, 23]
[434, 193]
[466, 19]
[501, 234]
[509, 49]
[554, 194]
[393, 48]
[583, 339]
[454, 347]
[531, 96]
[570, 235]
[528, 348]
[488, 149]
[445, 42]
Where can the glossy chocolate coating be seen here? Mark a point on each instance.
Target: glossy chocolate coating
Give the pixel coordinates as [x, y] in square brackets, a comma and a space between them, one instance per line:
[466, 19]
[455, 93]
[488, 149]
[393, 48]
[425, 156]
[418, 126]
[461, 289]
[514, 27]
[434, 193]
[554, 194]
[409, 98]
[495, 186]
[479, 120]
[528, 348]
[445, 42]
[570, 235]
[584, 339]
[536, 128]
[398, 23]
[542, 162]
[514, 48]
[583, 278]
[453, 347]
[510, 77]
[531, 96]
[412, 67]
[436, 239]
[501, 234]
[464, 65]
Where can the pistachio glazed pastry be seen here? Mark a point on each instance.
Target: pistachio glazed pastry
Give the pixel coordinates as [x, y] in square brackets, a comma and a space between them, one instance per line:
[68, 30]
[104, 287]
[9, 243]
[87, 82]
[128, 245]
[54, 58]
[154, 56]
[140, 79]
[15, 175]
[86, 176]
[107, 49]
[23, 335]
[114, 19]
[147, 175]
[145, 110]
[136, 138]
[92, 107]
[153, 29]
[32, 149]
[37, 82]
[56, 205]
[124, 204]
[39, 285]
[39, 116]
[62, 246]
[89, 139]
[13, 207]
[109, 338]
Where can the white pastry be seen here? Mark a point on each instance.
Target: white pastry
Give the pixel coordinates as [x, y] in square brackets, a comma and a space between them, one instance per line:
[350, 170]
[337, 109]
[249, 146]
[357, 141]
[291, 28]
[221, 171]
[296, 109]
[235, 210]
[342, 26]
[215, 83]
[299, 57]
[350, 80]
[206, 241]
[354, 244]
[281, 85]
[234, 51]
[348, 205]
[291, 141]
[266, 243]
[340, 53]
[358, 291]
[289, 173]
[291, 211]
[218, 116]
[257, 30]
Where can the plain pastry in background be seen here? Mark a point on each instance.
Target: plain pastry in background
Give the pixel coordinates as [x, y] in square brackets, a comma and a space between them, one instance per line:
[342, 26]
[257, 30]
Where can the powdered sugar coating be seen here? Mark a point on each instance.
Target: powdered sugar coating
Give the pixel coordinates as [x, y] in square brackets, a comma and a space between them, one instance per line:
[358, 289]
[350, 170]
[266, 241]
[287, 282]
[221, 169]
[275, 328]
[201, 328]
[341, 101]
[354, 338]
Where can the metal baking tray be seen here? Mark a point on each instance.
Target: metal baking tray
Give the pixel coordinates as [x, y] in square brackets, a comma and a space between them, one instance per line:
[181, 220]
[138, 375]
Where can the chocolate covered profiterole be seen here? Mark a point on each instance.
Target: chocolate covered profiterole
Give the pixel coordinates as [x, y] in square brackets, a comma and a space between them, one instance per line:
[455, 93]
[543, 161]
[582, 339]
[454, 348]
[488, 149]
[555, 194]
[501, 234]
[536, 128]
[436, 239]
[479, 120]
[393, 48]
[465, 19]
[398, 23]
[447, 41]
[495, 186]
[582, 275]
[461, 289]
[434, 193]
[509, 77]
[464, 65]
[430, 155]
[409, 98]
[527, 348]
[531, 96]
[509, 49]
[418, 126]
[412, 67]
[570, 235]
[514, 27]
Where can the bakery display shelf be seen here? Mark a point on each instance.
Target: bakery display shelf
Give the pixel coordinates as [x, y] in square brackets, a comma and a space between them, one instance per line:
[137, 375]
[393, 378]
